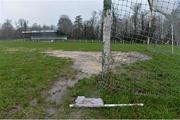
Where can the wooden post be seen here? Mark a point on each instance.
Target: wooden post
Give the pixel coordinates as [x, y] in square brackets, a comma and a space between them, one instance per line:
[106, 54]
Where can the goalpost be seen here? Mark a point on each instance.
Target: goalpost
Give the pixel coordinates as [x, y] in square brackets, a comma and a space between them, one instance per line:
[141, 22]
[106, 54]
[144, 28]
[164, 7]
[133, 25]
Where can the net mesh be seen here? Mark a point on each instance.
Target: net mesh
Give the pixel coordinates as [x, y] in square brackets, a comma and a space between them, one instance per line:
[154, 23]
[151, 22]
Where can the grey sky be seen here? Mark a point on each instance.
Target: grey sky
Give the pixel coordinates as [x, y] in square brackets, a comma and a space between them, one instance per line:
[47, 11]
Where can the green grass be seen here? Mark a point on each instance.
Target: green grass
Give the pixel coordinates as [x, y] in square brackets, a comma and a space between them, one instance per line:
[156, 83]
[68, 46]
[83, 46]
[25, 73]
[24, 76]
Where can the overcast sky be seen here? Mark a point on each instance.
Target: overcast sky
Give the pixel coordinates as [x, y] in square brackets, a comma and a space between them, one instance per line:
[47, 11]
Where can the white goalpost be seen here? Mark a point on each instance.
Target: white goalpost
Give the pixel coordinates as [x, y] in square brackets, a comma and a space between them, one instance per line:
[107, 21]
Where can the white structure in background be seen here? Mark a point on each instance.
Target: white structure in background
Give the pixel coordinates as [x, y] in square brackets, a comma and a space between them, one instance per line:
[44, 35]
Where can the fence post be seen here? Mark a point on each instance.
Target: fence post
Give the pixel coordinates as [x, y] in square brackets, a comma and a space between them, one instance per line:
[106, 54]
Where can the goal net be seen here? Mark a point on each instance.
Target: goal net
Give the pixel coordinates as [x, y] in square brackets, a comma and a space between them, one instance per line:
[152, 22]
[155, 24]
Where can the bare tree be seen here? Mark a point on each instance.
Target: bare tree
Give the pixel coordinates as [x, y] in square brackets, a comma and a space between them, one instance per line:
[136, 10]
[114, 23]
[21, 25]
[86, 30]
[65, 25]
[36, 27]
[52, 27]
[91, 28]
[98, 25]
[46, 27]
[77, 28]
[93, 24]
[7, 30]
[0, 31]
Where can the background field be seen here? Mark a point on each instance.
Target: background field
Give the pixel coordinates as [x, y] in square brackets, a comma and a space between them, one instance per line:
[75, 45]
[25, 72]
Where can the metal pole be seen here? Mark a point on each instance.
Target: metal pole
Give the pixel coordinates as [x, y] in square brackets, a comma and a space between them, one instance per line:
[106, 54]
[150, 20]
[172, 26]
[150, 25]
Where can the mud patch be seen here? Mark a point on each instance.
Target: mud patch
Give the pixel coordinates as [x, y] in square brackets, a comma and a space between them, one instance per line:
[12, 110]
[58, 90]
[88, 64]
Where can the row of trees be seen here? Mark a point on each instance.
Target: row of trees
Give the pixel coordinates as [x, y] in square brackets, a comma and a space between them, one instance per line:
[8, 31]
[88, 29]
[132, 27]
[79, 29]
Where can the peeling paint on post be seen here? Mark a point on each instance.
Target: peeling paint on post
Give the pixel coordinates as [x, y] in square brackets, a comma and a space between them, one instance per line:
[106, 54]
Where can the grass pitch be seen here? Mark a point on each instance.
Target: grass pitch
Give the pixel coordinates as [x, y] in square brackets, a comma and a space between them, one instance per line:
[25, 72]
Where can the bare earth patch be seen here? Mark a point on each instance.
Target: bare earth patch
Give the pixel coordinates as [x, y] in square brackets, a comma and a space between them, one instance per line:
[88, 64]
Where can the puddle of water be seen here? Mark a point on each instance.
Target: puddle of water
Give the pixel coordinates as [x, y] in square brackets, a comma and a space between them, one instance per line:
[88, 63]
[59, 89]
[51, 112]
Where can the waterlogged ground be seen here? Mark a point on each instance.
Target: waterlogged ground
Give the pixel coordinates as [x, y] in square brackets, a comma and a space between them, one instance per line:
[88, 64]
[36, 85]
